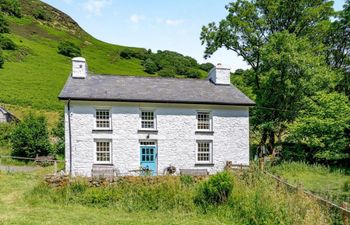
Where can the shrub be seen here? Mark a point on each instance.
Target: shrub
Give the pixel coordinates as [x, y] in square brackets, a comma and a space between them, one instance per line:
[69, 49]
[11, 7]
[346, 186]
[4, 26]
[6, 43]
[167, 72]
[31, 137]
[215, 191]
[206, 66]
[41, 14]
[150, 66]
[5, 133]
[129, 53]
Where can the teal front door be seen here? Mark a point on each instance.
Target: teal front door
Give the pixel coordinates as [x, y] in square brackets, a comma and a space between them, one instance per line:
[149, 159]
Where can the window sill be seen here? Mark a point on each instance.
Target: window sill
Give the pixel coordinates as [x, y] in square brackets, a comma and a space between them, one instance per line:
[109, 130]
[204, 164]
[147, 131]
[204, 132]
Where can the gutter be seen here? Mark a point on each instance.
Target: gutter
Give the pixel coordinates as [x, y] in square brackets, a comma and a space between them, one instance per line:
[70, 139]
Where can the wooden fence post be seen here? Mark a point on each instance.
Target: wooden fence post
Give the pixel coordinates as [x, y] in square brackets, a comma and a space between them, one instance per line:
[345, 214]
[300, 188]
[55, 167]
[278, 181]
[261, 164]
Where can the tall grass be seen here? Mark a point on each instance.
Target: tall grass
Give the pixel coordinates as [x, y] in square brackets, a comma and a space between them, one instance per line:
[254, 199]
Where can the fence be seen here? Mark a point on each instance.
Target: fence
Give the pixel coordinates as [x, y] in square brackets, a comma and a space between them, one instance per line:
[343, 209]
[41, 160]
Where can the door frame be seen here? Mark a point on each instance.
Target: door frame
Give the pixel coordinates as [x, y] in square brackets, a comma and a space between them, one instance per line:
[155, 144]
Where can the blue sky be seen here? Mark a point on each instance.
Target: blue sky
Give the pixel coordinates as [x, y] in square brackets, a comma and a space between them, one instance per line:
[156, 24]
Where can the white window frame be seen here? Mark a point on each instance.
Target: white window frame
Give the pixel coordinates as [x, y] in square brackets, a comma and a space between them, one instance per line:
[110, 119]
[154, 119]
[110, 151]
[210, 121]
[210, 161]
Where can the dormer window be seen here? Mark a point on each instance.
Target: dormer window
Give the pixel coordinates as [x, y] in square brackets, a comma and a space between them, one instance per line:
[204, 121]
[103, 119]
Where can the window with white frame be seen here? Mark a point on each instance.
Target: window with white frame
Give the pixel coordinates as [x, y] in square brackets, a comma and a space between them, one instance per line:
[204, 152]
[203, 121]
[103, 151]
[147, 120]
[103, 119]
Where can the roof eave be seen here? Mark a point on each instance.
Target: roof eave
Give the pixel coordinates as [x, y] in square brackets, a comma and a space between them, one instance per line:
[156, 101]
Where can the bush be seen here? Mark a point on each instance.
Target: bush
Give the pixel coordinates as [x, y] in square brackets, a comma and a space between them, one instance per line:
[69, 49]
[167, 72]
[206, 66]
[41, 14]
[11, 7]
[6, 43]
[215, 191]
[4, 26]
[150, 66]
[5, 133]
[31, 137]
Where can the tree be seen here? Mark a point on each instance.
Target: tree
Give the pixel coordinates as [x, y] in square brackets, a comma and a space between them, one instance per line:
[206, 66]
[58, 133]
[31, 137]
[69, 49]
[275, 37]
[6, 43]
[11, 7]
[338, 52]
[324, 126]
[167, 72]
[150, 66]
[2, 60]
[3, 25]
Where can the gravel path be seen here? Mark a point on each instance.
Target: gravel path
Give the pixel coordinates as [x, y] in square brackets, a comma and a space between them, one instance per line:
[18, 168]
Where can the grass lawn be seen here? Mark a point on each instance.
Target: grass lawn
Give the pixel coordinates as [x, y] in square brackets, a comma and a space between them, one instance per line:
[14, 209]
[325, 181]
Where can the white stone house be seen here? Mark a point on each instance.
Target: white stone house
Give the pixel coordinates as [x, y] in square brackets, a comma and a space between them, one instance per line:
[132, 122]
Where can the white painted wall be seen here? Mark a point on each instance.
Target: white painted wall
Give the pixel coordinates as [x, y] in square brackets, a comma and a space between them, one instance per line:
[3, 117]
[176, 137]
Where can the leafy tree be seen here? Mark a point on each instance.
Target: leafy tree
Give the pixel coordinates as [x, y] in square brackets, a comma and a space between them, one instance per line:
[31, 137]
[206, 66]
[58, 133]
[2, 60]
[69, 49]
[193, 73]
[150, 66]
[338, 53]
[3, 25]
[167, 72]
[6, 43]
[323, 126]
[281, 41]
[11, 7]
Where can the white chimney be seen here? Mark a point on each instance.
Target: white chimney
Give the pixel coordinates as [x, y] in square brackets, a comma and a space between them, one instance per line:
[79, 68]
[220, 75]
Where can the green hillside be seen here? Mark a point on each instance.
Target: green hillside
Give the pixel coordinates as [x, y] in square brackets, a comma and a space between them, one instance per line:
[34, 73]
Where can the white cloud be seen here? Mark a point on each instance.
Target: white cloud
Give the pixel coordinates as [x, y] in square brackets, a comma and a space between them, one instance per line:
[136, 18]
[174, 22]
[96, 6]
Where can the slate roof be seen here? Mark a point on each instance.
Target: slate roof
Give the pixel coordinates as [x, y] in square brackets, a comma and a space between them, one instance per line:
[152, 89]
